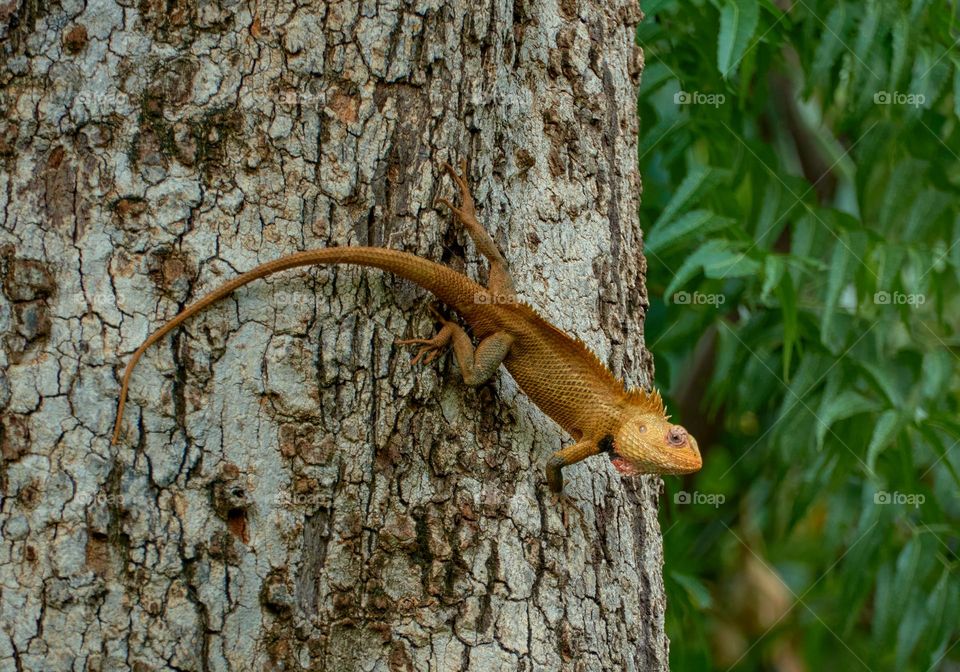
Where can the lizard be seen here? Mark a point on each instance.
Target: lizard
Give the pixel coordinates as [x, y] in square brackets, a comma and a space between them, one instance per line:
[563, 377]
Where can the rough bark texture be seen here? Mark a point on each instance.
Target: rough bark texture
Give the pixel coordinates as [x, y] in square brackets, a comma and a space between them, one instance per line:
[289, 493]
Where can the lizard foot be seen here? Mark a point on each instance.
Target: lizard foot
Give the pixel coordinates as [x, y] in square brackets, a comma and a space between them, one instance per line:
[432, 347]
[500, 282]
[466, 213]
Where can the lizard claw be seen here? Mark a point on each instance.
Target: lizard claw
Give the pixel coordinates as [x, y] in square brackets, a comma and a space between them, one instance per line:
[432, 347]
[455, 210]
[459, 178]
[466, 212]
[411, 341]
[433, 354]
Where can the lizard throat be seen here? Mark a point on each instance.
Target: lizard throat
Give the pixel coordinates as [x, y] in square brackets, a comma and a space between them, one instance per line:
[620, 463]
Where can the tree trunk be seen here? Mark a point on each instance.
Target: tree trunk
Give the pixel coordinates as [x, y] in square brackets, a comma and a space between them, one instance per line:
[289, 493]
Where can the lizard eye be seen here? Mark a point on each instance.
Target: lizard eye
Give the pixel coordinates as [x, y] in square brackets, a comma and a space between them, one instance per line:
[676, 436]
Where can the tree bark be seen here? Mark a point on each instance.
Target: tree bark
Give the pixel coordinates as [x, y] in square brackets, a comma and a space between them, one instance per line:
[289, 492]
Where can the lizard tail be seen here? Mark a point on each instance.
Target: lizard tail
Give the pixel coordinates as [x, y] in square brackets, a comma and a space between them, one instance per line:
[454, 289]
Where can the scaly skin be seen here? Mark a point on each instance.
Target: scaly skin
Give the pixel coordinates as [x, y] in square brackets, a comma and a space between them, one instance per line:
[557, 372]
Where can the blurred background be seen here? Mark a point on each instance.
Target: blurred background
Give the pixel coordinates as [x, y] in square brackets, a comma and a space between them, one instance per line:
[801, 169]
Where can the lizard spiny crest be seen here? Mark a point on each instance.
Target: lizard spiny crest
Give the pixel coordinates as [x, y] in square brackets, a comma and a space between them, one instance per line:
[647, 401]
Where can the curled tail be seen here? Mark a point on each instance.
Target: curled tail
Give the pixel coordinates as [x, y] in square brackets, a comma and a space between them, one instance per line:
[454, 289]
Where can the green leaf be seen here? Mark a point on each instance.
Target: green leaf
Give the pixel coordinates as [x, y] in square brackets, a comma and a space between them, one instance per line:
[925, 211]
[867, 35]
[938, 608]
[651, 7]
[859, 563]
[844, 405]
[648, 31]
[883, 600]
[698, 593]
[902, 188]
[906, 580]
[654, 75]
[938, 368]
[943, 456]
[804, 234]
[884, 375]
[893, 257]
[954, 251]
[913, 623]
[773, 269]
[805, 379]
[738, 22]
[907, 570]
[830, 44]
[835, 282]
[697, 181]
[901, 40]
[930, 74]
[788, 306]
[711, 253]
[771, 219]
[735, 265]
[663, 128]
[956, 87]
[693, 222]
[885, 431]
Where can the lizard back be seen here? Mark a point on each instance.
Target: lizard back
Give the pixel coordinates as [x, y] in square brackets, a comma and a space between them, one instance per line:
[560, 374]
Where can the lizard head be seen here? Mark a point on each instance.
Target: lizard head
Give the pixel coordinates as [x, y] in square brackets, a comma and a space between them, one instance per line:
[646, 442]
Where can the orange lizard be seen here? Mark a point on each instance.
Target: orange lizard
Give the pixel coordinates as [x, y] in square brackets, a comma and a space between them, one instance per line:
[559, 373]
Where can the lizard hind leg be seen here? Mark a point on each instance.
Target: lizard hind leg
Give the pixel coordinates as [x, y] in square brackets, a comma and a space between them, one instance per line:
[500, 283]
[431, 347]
[478, 365]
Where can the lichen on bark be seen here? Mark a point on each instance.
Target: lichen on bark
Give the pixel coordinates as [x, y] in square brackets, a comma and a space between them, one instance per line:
[289, 492]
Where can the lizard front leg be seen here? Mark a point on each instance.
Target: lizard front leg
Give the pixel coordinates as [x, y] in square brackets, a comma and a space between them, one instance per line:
[478, 365]
[500, 283]
[564, 458]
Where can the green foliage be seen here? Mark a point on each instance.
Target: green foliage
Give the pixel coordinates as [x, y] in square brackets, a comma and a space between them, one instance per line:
[801, 178]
